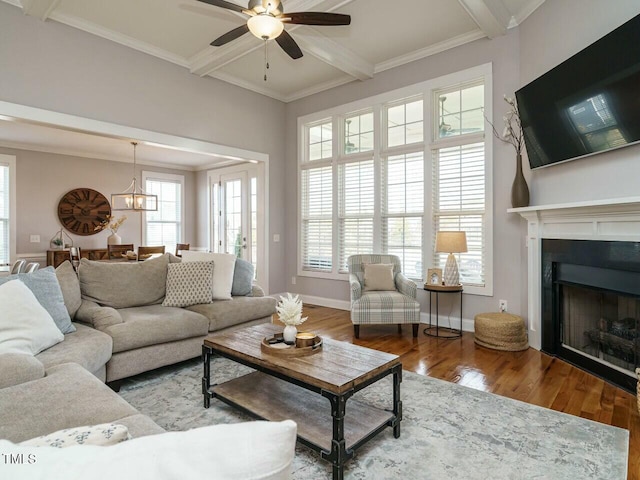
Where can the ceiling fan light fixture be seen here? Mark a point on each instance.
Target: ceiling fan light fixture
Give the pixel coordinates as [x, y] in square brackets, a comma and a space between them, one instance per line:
[265, 26]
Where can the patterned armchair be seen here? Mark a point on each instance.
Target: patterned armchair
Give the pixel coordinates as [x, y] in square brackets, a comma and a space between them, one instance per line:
[382, 307]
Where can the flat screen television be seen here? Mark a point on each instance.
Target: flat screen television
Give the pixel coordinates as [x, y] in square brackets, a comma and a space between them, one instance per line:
[588, 104]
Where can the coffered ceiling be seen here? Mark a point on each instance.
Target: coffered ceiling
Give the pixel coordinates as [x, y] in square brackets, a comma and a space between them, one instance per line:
[383, 34]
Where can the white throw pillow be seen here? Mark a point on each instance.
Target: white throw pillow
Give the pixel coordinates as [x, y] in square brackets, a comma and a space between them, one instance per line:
[240, 451]
[102, 435]
[25, 326]
[188, 283]
[223, 266]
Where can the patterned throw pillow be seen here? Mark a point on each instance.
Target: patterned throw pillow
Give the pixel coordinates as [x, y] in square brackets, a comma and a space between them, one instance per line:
[102, 435]
[188, 283]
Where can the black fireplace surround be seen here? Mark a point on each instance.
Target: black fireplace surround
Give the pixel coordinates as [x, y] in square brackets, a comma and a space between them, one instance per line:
[608, 267]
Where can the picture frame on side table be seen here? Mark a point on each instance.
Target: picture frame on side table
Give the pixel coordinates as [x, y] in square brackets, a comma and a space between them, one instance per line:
[434, 276]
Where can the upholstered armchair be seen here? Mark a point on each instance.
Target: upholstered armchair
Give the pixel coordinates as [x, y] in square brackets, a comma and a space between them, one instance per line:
[396, 305]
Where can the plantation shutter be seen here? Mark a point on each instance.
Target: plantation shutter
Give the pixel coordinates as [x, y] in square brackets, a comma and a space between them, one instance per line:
[459, 204]
[317, 219]
[4, 215]
[164, 226]
[356, 209]
[403, 209]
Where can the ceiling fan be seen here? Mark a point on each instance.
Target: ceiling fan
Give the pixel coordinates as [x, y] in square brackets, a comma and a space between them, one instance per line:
[266, 21]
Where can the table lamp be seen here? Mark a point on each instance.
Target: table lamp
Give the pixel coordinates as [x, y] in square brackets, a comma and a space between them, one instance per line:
[451, 242]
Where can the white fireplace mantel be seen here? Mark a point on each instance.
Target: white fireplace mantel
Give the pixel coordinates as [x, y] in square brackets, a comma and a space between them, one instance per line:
[616, 219]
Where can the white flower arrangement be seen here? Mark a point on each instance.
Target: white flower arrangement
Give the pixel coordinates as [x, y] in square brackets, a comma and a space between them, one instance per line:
[512, 132]
[290, 310]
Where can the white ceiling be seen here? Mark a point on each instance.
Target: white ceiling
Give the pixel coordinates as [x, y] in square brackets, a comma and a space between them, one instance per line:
[383, 34]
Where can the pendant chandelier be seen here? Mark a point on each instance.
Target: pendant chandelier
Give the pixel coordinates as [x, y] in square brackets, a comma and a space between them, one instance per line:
[134, 198]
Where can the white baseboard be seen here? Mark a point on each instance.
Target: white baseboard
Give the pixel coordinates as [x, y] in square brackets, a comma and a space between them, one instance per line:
[467, 324]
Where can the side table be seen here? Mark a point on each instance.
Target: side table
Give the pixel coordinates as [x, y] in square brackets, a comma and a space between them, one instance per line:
[442, 332]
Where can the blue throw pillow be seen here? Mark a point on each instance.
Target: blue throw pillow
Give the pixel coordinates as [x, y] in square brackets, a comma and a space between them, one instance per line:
[242, 278]
[44, 285]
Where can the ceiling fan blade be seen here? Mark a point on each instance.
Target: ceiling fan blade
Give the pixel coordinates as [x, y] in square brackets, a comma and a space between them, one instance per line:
[317, 18]
[223, 4]
[289, 45]
[231, 35]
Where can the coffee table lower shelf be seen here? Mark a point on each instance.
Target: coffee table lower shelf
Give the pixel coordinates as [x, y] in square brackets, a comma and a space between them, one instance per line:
[270, 398]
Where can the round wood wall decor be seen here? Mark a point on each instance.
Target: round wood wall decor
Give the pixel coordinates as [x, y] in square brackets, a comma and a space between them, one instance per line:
[81, 210]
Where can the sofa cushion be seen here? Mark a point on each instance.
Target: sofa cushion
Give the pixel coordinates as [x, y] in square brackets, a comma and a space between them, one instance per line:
[70, 286]
[240, 451]
[66, 397]
[126, 284]
[17, 368]
[25, 326]
[45, 286]
[86, 346]
[379, 276]
[155, 324]
[223, 314]
[242, 278]
[103, 435]
[223, 265]
[188, 284]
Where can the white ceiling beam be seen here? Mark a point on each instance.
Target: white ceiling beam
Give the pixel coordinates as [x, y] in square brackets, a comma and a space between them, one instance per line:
[211, 59]
[325, 49]
[492, 16]
[39, 8]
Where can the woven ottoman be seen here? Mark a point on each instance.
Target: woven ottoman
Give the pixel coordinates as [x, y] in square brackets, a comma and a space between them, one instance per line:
[501, 331]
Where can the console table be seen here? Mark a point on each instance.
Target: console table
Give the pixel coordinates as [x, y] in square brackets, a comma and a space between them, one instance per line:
[56, 257]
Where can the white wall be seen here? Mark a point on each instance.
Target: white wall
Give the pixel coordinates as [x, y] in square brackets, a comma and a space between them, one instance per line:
[553, 33]
[55, 67]
[503, 52]
[43, 178]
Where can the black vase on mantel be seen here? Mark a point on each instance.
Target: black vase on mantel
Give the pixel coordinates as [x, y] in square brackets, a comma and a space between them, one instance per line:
[519, 189]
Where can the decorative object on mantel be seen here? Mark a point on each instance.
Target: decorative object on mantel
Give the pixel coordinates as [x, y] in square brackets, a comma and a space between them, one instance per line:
[57, 241]
[513, 135]
[451, 242]
[290, 313]
[80, 210]
[112, 224]
[134, 197]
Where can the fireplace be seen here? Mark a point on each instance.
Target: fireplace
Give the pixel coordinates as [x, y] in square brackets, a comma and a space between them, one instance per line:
[591, 306]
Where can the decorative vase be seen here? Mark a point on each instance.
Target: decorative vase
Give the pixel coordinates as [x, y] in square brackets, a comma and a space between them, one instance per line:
[519, 189]
[114, 239]
[289, 333]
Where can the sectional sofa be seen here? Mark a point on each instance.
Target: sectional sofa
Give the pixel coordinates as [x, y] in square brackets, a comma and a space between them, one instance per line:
[121, 329]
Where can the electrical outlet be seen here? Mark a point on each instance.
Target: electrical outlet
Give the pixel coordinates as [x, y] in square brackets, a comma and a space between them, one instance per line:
[502, 305]
[293, 280]
[34, 238]
[276, 237]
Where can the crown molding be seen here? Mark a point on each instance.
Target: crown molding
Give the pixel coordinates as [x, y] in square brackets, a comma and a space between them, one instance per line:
[242, 83]
[41, 9]
[491, 16]
[321, 87]
[430, 50]
[525, 11]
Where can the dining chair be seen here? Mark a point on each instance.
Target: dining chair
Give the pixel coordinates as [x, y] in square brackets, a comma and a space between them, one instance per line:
[180, 247]
[31, 267]
[74, 257]
[18, 266]
[115, 251]
[144, 252]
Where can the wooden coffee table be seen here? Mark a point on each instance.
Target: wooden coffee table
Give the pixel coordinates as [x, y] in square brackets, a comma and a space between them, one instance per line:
[293, 388]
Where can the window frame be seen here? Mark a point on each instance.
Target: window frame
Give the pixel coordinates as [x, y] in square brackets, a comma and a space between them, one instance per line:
[165, 177]
[10, 162]
[379, 104]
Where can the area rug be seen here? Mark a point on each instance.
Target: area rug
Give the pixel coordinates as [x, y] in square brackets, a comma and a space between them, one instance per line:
[448, 431]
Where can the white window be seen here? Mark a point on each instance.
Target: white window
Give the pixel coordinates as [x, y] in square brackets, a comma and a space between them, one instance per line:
[164, 226]
[7, 209]
[384, 174]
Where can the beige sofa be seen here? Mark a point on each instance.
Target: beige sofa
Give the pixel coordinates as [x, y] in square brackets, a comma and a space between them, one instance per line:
[124, 300]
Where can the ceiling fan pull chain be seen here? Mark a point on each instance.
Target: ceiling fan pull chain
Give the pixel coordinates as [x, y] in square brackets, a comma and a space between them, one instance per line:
[266, 60]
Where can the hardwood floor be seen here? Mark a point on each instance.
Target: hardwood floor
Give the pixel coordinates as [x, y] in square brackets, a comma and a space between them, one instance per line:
[529, 376]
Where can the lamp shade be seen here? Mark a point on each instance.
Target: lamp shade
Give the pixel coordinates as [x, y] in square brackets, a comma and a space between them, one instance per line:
[265, 26]
[451, 242]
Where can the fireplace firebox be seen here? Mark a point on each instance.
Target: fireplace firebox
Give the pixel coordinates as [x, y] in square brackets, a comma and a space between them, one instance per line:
[591, 306]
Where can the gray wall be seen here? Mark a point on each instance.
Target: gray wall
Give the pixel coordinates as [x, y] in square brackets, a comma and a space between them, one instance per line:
[51, 66]
[43, 178]
[503, 53]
